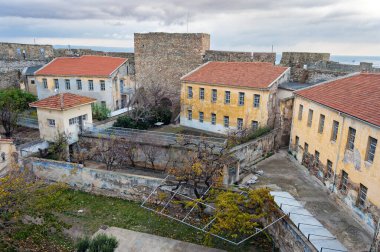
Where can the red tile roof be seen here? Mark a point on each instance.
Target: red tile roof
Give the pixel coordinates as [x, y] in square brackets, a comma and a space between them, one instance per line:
[241, 74]
[62, 101]
[358, 96]
[82, 66]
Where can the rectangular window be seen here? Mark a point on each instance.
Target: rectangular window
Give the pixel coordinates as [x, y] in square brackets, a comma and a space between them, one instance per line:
[67, 84]
[102, 85]
[226, 121]
[334, 133]
[316, 156]
[306, 149]
[372, 142]
[103, 103]
[241, 99]
[344, 181]
[297, 143]
[255, 125]
[329, 169]
[321, 123]
[300, 111]
[79, 84]
[44, 82]
[214, 95]
[256, 101]
[84, 117]
[201, 93]
[213, 119]
[91, 85]
[240, 123]
[227, 97]
[189, 115]
[362, 195]
[190, 92]
[51, 122]
[310, 118]
[56, 84]
[74, 120]
[201, 117]
[351, 138]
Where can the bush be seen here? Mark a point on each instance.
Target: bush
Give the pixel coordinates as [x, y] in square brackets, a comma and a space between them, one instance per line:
[128, 122]
[162, 114]
[100, 243]
[100, 112]
[245, 135]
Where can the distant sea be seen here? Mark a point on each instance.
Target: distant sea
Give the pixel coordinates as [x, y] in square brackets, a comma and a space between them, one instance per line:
[346, 59]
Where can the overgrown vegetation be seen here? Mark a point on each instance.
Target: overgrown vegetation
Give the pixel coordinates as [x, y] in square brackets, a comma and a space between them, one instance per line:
[100, 112]
[13, 102]
[245, 135]
[144, 119]
[100, 243]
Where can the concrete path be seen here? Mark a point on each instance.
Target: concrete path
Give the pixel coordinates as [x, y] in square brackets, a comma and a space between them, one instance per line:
[131, 241]
[282, 174]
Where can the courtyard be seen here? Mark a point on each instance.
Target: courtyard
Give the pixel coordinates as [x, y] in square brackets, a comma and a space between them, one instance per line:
[281, 173]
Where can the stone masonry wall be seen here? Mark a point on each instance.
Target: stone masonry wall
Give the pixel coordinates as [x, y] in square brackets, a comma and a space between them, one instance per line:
[212, 55]
[163, 58]
[299, 59]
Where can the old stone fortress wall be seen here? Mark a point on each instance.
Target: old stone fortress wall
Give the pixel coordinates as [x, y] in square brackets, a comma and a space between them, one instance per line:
[168, 56]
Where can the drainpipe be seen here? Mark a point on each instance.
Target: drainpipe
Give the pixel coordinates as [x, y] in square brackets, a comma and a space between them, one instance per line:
[338, 154]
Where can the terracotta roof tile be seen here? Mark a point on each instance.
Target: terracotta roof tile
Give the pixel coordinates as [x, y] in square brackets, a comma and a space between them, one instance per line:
[87, 65]
[241, 74]
[62, 101]
[358, 96]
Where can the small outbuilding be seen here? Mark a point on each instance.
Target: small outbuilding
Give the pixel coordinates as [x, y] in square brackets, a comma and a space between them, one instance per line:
[64, 113]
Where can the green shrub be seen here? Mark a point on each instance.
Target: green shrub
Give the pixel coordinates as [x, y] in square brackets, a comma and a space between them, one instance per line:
[100, 112]
[83, 244]
[128, 122]
[162, 114]
[103, 243]
[245, 135]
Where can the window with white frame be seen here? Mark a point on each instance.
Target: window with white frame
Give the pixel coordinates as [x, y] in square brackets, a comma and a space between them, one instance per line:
[321, 123]
[51, 122]
[214, 95]
[79, 84]
[240, 123]
[300, 111]
[91, 85]
[67, 84]
[44, 83]
[310, 118]
[362, 195]
[372, 142]
[241, 99]
[189, 115]
[190, 92]
[351, 138]
[56, 84]
[334, 133]
[201, 117]
[256, 101]
[227, 97]
[226, 121]
[201, 93]
[102, 85]
[213, 119]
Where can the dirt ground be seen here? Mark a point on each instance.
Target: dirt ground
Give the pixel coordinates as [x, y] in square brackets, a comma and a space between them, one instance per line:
[283, 174]
[22, 134]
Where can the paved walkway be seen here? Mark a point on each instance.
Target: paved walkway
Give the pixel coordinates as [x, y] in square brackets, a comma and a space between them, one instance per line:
[131, 241]
[282, 174]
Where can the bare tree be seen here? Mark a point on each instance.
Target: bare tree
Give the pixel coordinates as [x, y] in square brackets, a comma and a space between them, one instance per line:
[151, 154]
[107, 152]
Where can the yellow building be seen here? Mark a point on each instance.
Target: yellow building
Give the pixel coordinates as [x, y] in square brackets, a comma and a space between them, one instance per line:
[335, 133]
[219, 96]
[63, 113]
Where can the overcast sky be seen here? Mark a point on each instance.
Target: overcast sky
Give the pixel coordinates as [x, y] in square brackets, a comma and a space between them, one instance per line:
[344, 27]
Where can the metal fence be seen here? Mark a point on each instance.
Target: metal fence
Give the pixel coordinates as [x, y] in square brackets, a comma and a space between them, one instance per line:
[154, 137]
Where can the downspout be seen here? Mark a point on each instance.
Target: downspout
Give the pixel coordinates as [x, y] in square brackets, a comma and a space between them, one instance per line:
[338, 155]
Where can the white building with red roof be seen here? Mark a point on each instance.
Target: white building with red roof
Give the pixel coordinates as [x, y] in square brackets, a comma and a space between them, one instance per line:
[106, 79]
[64, 113]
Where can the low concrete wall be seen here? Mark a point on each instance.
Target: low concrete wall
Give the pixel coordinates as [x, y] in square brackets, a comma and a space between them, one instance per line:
[116, 184]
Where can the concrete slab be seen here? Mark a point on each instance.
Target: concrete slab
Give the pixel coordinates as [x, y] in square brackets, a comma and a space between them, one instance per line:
[131, 241]
[282, 174]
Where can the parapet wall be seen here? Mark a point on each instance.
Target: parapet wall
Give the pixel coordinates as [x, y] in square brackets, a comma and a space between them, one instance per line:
[299, 59]
[13, 51]
[80, 52]
[212, 55]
